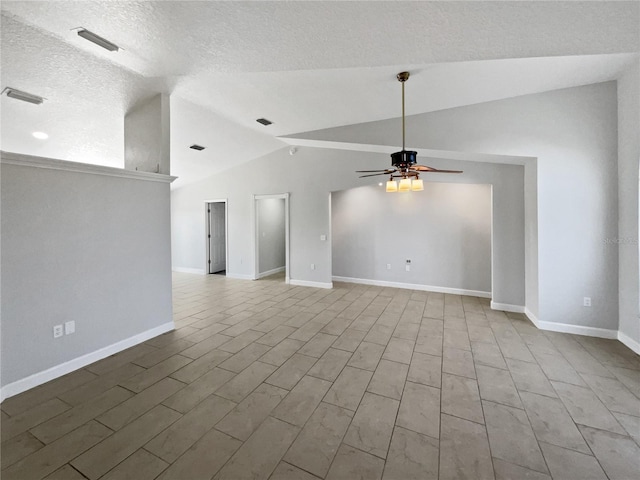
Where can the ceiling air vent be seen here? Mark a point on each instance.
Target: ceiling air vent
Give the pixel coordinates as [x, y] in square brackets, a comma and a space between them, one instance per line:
[98, 40]
[24, 96]
[196, 147]
[264, 121]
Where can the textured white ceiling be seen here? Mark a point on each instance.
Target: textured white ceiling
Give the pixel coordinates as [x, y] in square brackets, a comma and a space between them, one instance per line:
[303, 65]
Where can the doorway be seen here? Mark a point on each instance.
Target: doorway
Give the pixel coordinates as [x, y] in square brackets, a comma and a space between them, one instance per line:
[271, 235]
[216, 236]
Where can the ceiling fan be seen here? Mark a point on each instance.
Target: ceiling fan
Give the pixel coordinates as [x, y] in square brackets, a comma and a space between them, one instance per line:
[404, 162]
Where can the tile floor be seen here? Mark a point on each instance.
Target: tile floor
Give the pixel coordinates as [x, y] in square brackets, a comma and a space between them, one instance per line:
[265, 380]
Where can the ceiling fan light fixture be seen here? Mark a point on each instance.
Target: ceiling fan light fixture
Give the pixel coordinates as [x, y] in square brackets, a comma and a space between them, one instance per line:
[417, 185]
[98, 40]
[405, 185]
[392, 186]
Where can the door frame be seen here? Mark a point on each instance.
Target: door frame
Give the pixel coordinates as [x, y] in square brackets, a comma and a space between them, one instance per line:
[207, 243]
[254, 229]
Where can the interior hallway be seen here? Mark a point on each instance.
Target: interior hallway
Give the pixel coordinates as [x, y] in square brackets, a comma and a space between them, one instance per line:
[265, 380]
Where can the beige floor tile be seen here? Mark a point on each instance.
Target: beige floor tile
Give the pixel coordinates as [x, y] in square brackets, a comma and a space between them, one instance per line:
[318, 345]
[349, 387]
[388, 379]
[241, 341]
[618, 455]
[299, 404]
[379, 334]
[130, 409]
[66, 472]
[121, 358]
[464, 450]
[204, 459]
[407, 331]
[140, 466]
[569, 465]
[64, 423]
[431, 344]
[511, 438]
[318, 442]
[143, 380]
[458, 362]
[366, 356]
[258, 457]
[364, 322]
[420, 409]
[285, 471]
[372, 425]
[514, 348]
[631, 424]
[557, 368]
[180, 436]
[411, 457]
[244, 357]
[110, 452]
[461, 398]
[18, 447]
[425, 369]
[552, 423]
[509, 471]
[456, 338]
[585, 408]
[276, 335]
[282, 352]
[100, 384]
[290, 373]
[488, 354]
[199, 349]
[528, 377]
[336, 326]
[481, 335]
[330, 364]
[160, 354]
[614, 394]
[399, 350]
[496, 386]
[22, 422]
[354, 464]
[51, 457]
[242, 421]
[200, 366]
[630, 378]
[191, 395]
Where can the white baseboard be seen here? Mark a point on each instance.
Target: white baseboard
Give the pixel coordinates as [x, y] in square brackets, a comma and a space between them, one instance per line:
[307, 283]
[505, 307]
[414, 286]
[273, 271]
[239, 276]
[575, 329]
[629, 342]
[198, 271]
[52, 373]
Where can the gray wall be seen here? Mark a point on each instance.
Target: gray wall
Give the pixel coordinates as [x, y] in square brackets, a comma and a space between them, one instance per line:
[271, 234]
[628, 157]
[79, 246]
[445, 231]
[147, 140]
[573, 134]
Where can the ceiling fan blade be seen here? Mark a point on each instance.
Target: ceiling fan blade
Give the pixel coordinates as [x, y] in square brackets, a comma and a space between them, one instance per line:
[373, 174]
[424, 168]
[382, 170]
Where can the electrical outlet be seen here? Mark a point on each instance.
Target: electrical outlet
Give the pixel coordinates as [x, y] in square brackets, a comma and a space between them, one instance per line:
[388, 266]
[69, 327]
[408, 262]
[58, 331]
[587, 301]
[323, 238]
[313, 266]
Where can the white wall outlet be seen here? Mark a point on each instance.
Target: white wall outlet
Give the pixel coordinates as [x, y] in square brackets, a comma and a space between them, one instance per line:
[58, 331]
[388, 266]
[69, 327]
[323, 237]
[408, 262]
[313, 266]
[587, 301]
[407, 267]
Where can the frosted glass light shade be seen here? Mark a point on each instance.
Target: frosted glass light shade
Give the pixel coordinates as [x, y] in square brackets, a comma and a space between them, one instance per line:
[392, 186]
[405, 185]
[417, 185]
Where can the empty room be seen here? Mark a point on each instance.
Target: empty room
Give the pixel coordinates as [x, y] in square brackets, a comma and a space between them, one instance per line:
[331, 240]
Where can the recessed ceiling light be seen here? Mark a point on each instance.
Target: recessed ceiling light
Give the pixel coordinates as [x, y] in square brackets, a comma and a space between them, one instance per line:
[24, 96]
[380, 184]
[98, 40]
[197, 147]
[40, 135]
[264, 121]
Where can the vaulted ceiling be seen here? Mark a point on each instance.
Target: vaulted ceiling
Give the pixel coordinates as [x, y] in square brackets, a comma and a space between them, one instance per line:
[303, 65]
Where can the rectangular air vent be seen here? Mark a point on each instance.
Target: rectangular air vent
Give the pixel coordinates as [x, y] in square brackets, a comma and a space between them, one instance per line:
[196, 147]
[24, 96]
[264, 121]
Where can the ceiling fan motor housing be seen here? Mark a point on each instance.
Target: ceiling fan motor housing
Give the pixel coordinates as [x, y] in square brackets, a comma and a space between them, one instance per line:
[404, 159]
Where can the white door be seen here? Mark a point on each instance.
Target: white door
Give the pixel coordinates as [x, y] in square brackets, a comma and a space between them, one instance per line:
[217, 243]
